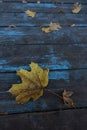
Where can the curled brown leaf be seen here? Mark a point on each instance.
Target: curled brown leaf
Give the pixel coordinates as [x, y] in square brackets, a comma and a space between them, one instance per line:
[52, 26]
[66, 98]
[77, 8]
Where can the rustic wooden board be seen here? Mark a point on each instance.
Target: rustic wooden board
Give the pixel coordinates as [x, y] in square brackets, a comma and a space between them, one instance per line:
[51, 56]
[34, 35]
[60, 120]
[58, 80]
[42, 19]
[47, 102]
[74, 80]
[41, 8]
[49, 1]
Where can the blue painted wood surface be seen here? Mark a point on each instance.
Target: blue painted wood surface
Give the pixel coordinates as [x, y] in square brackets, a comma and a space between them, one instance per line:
[51, 7]
[48, 1]
[63, 52]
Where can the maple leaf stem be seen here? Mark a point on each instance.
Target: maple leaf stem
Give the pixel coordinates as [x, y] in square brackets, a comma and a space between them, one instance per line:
[55, 94]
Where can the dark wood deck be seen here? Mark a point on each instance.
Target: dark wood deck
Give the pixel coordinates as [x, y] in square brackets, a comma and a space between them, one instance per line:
[64, 52]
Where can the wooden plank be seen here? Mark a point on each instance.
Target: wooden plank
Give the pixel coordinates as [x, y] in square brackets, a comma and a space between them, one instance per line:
[54, 57]
[49, 1]
[57, 120]
[42, 7]
[58, 80]
[34, 35]
[42, 19]
[75, 81]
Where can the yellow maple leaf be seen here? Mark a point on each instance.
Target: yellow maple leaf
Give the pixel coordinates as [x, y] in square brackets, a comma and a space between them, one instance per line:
[77, 8]
[30, 13]
[52, 26]
[66, 97]
[32, 84]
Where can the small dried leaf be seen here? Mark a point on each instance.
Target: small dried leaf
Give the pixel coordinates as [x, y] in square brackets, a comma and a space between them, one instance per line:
[68, 102]
[38, 1]
[30, 13]
[32, 84]
[24, 1]
[61, 11]
[73, 25]
[66, 97]
[12, 26]
[67, 93]
[77, 8]
[53, 26]
[46, 29]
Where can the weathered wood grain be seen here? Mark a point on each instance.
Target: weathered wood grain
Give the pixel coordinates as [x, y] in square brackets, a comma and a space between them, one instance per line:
[49, 1]
[54, 57]
[34, 35]
[65, 56]
[42, 19]
[57, 120]
[75, 81]
[58, 80]
[41, 8]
